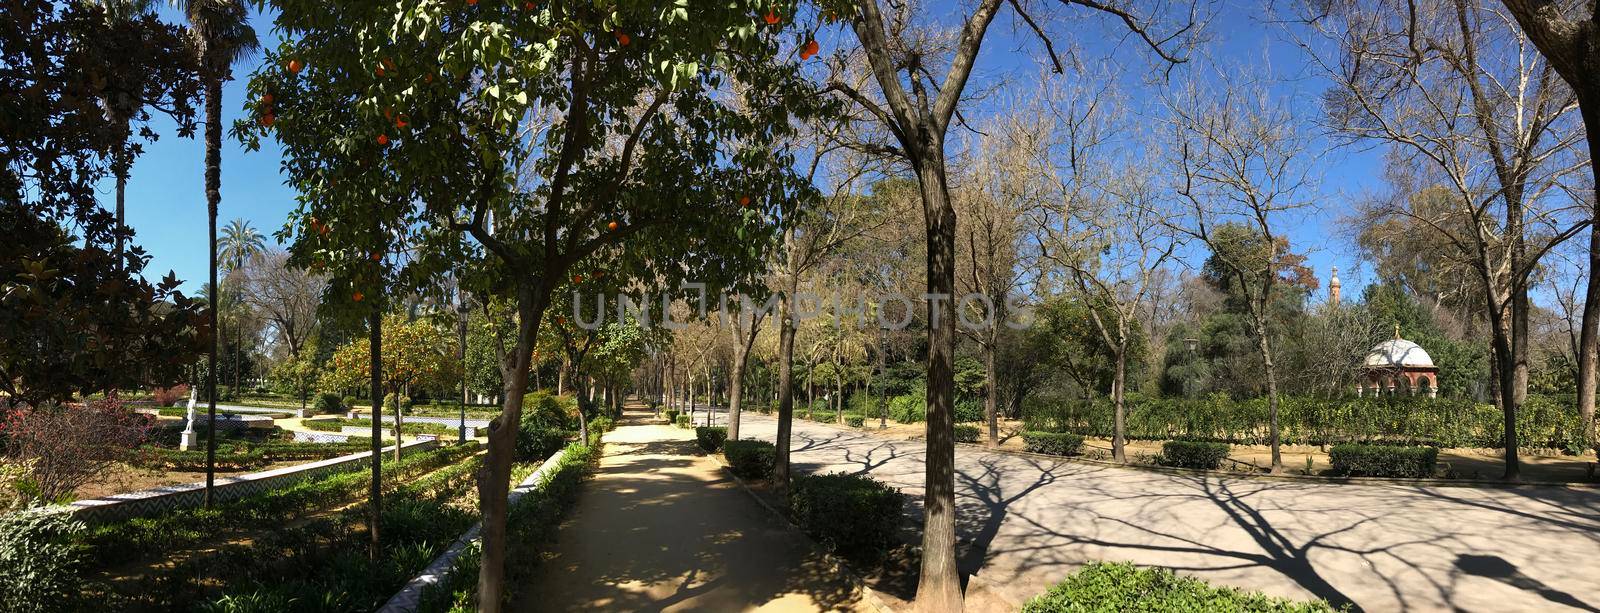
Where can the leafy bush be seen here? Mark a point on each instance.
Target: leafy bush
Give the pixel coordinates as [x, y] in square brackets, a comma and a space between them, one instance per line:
[711, 438]
[535, 443]
[1383, 461]
[40, 561]
[1104, 587]
[328, 404]
[969, 410]
[600, 425]
[909, 408]
[1193, 454]
[684, 421]
[967, 434]
[855, 421]
[349, 403]
[672, 416]
[751, 459]
[854, 515]
[1052, 443]
[550, 411]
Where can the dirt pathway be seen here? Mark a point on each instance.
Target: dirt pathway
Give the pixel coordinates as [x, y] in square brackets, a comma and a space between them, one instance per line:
[663, 528]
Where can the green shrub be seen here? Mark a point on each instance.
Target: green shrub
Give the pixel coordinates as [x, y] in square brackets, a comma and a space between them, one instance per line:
[328, 404]
[684, 421]
[1052, 443]
[41, 561]
[750, 459]
[855, 421]
[1104, 587]
[543, 409]
[600, 425]
[967, 434]
[1383, 461]
[1193, 454]
[350, 403]
[672, 416]
[854, 515]
[909, 408]
[711, 438]
[969, 410]
[535, 443]
[336, 424]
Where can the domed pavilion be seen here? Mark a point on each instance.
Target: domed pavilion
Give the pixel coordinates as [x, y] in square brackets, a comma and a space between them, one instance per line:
[1398, 366]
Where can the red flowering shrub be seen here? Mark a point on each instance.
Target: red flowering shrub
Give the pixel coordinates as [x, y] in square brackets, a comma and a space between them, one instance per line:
[63, 447]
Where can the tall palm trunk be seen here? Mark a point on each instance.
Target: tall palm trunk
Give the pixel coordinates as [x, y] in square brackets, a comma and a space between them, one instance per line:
[213, 179]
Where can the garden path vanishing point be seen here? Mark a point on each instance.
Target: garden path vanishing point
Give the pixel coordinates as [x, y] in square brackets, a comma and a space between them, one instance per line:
[662, 527]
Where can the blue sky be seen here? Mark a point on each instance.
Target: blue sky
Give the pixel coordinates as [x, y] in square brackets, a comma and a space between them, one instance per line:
[166, 204]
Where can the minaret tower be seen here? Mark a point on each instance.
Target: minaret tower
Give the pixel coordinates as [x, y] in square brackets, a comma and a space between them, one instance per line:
[1333, 288]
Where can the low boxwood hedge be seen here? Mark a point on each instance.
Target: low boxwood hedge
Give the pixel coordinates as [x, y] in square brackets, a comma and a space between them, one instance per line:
[1358, 460]
[1052, 443]
[672, 416]
[967, 434]
[751, 459]
[683, 421]
[1193, 454]
[408, 427]
[711, 438]
[855, 515]
[1103, 587]
[855, 421]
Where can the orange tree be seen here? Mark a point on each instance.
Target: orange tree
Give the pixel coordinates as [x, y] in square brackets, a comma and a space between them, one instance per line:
[509, 142]
[417, 354]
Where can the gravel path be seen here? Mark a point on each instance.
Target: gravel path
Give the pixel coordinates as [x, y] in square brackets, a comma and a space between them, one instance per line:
[662, 528]
[1025, 522]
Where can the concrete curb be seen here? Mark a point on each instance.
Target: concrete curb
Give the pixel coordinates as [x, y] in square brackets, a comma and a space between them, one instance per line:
[838, 565]
[410, 596]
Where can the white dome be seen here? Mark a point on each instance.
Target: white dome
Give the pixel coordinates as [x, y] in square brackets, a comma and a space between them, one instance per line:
[1398, 352]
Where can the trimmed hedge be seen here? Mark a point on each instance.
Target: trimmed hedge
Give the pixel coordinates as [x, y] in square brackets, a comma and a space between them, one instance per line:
[237, 456]
[751, 459]
[967, 434]
[672, 416]
[711, 438]
[1544, 422]
[1103, 587]
[1193, 454]
[328, 404]
[854, 515]
[683, 421]
[41, 562]
[406, 427]
[1052, 443]
[1383, 461]
[855, 421]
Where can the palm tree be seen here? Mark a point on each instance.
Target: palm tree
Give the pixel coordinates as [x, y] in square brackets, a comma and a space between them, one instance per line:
[120, 105]
[240, 241]
[221, 34]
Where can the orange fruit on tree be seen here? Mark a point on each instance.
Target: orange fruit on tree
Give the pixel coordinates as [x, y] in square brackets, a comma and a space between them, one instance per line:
[561, 320]
[612, 226]
[772, 17]
[472, 2]
[383, 139]
[622, 39]
[295, 66]
[356, 296]
[810, 50]
[376, 256]
[527, 6]
[577, 278]
[744, 201]
[268, 119]
[400, 122]
[388, 63]
[266, 99]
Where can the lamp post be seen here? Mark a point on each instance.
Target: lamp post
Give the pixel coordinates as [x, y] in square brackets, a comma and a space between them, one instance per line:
[461, 354]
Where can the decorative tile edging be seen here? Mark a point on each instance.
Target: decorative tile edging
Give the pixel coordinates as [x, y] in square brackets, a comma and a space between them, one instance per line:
[410, 597]
[163, 499]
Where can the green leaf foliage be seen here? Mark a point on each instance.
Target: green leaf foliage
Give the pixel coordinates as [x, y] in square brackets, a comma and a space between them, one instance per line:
[1104, 587]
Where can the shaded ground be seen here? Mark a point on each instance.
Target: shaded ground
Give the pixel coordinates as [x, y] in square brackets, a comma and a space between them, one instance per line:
[1026, 522]
[662, 528]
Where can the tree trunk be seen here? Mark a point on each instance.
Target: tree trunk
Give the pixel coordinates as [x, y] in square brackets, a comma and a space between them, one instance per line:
[939, 588]
[399, 427]
[495, 476]
[780, 466]
[1264, 344]
[1119, 382]
[1589, 338]
[561, 378]
[375, 488]
[991, 379]
[1504, 357]
[213, 178]
[736, 387]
